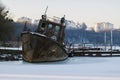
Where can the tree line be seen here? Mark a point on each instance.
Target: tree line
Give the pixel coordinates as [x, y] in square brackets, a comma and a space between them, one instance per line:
[6, 28]
[80, 36]
[10, 30]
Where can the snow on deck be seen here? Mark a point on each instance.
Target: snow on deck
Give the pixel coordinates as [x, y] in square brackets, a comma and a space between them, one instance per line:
[74, 68]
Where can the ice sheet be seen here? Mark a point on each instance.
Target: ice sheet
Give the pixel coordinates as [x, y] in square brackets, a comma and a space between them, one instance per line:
[74, 68]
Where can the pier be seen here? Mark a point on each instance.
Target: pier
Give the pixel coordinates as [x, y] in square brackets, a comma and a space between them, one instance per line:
[92, 51]
[14, 53]
[97, 53]
[10, 53]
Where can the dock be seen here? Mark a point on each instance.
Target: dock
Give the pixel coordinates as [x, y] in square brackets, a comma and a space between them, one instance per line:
[97, 53]
[14, 53]
[10, 53]
[93, 52]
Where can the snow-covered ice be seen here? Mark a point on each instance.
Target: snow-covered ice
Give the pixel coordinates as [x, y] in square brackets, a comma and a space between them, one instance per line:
[11, 48]
[73, 68]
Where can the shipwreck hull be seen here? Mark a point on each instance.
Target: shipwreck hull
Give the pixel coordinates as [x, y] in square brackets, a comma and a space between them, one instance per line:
[39, 48]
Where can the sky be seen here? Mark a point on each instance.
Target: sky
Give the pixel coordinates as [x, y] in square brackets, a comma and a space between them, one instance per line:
[88, 11]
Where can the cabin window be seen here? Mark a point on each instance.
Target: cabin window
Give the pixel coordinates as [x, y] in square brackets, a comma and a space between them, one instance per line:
[57, 28]
[43, 25]
[50, 26]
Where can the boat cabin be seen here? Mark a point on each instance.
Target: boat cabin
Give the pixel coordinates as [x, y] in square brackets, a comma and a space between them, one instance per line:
[51, 29]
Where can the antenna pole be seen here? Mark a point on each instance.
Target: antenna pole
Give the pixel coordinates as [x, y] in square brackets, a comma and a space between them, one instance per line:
[46, 10]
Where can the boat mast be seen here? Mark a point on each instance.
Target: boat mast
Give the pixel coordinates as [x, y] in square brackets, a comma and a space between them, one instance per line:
[44, 16]
[46, 10]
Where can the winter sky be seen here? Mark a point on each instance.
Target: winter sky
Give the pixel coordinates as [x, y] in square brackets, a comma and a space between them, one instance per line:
[88, 11]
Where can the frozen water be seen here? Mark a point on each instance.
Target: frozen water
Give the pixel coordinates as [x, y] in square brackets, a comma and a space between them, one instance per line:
[74, 68]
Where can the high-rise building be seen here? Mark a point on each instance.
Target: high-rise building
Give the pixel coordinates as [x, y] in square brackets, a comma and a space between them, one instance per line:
[104, 26]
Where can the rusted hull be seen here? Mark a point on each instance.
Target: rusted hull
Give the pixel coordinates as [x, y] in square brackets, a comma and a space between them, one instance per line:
[39, 48]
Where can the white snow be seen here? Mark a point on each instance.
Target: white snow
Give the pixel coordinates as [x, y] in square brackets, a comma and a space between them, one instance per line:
[11, 48]
[73, 68]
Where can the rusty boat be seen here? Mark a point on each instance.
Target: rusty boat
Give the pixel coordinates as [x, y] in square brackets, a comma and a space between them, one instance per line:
[46, 43]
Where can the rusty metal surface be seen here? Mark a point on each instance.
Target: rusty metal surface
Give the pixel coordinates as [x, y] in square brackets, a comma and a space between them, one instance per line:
[37, 48]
